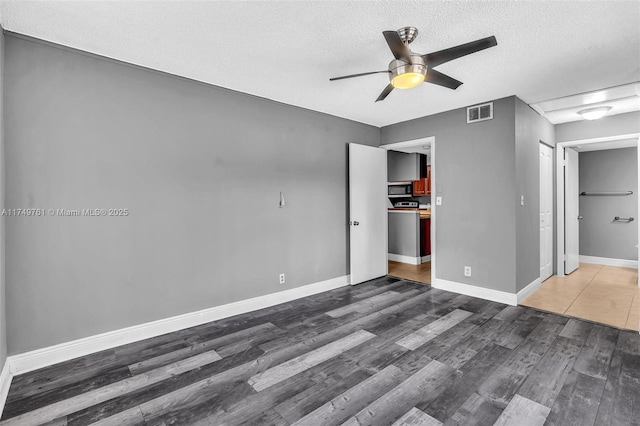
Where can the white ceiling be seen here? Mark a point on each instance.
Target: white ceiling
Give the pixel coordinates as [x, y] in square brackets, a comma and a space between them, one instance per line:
[286, 51]
[620, 99]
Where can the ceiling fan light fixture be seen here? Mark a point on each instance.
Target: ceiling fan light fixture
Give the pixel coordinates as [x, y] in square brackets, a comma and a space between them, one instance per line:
[594, 113]
[407, 76]
[408, 80]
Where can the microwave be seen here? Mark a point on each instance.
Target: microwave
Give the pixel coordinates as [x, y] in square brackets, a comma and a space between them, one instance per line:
[400, 189]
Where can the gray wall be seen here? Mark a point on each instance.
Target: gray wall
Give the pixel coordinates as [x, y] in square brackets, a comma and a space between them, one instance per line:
[531, 129]
[3, 328]
[609, 170]
[475, 171]
[200, 170]
[621, 124]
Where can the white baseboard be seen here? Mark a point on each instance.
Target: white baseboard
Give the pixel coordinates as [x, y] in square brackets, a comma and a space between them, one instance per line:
[609, 262]
[529, 289]
[44, 357]
[5, 383]
[475, 291]
[426, 258]
[404, 259]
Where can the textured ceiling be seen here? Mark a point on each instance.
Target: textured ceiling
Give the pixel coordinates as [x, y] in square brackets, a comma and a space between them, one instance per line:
[286, 51]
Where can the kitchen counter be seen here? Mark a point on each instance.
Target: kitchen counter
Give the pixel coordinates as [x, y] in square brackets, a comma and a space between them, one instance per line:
[424, 213]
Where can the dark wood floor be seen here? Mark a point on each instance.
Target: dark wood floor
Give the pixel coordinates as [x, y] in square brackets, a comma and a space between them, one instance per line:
[384, 352]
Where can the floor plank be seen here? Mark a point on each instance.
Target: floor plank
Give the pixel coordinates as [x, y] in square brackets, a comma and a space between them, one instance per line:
[311, 399]
[523, 412]
[415, 417]
[403, 397]
[432, 330]
[298, 364]
[545, 382]
[347, 403]
[578, 401]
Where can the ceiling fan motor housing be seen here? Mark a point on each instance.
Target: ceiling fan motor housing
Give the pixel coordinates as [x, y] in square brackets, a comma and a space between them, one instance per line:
[408, 34]
[404, 75]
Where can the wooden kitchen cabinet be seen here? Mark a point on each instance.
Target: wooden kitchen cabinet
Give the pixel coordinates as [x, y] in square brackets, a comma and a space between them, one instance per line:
[425, 237]
[423, 186]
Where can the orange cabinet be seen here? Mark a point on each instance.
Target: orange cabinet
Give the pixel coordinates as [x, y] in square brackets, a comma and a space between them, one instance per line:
[423, 186]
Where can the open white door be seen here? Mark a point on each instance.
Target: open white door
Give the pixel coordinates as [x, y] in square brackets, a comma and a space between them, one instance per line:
[367, 212]
[571, 213]
[546, 211]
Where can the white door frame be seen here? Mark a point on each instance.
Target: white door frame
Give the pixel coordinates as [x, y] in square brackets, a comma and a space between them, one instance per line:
[560, 147]
[430, 140]
[550, 177]
[571, 210]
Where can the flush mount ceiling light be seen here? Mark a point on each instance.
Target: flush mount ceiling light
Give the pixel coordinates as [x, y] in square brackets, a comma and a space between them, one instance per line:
[594, 113]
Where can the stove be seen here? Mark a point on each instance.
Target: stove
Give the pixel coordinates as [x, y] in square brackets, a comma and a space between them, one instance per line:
[406, 204]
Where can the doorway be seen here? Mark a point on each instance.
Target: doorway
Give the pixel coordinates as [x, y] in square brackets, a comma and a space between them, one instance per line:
[596, 265]
[411, 231]
[612, 142]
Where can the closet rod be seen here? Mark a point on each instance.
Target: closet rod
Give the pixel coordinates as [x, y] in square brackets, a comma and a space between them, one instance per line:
[607, 193]
[623, 219]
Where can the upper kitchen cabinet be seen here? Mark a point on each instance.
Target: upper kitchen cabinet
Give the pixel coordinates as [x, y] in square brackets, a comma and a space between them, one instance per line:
[402, 166]
[423, 186]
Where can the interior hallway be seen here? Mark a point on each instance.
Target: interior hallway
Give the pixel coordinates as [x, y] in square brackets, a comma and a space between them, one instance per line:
[604, 294]
[419, 273]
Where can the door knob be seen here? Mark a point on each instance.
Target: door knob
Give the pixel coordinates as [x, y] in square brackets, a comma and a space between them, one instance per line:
[580, 217]
[356, 223]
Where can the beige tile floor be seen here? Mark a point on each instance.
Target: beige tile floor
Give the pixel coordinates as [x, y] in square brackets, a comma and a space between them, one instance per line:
[604, 294]
[420, 273]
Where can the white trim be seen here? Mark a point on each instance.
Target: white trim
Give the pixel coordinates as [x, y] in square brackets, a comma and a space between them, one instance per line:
[560, 146]
[430, 140]
[408, 259]
[475, 291]
[601, 139]
[560, 252]
[5, 383]
[403, 259]
[434, 209]
[624, 263]
[44, 357]
[543, 146]
[529, 289]
[408, 144]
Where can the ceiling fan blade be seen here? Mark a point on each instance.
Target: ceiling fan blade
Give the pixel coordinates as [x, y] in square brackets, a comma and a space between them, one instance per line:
[359, 75]
[440, 57]
[436, 77]
[385, 92]
[398, 48]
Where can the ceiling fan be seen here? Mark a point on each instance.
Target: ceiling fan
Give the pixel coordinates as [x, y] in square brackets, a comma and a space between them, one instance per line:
[411, 69]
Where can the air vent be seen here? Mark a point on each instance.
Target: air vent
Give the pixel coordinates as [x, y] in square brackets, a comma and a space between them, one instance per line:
[480, 112]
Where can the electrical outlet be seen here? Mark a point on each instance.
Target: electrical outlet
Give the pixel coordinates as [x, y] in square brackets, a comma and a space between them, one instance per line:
[522, 200]
[438, 201]
[467, 271]
[282, 278]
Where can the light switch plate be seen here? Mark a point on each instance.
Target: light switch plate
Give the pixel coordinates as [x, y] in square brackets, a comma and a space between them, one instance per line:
[438, 201]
